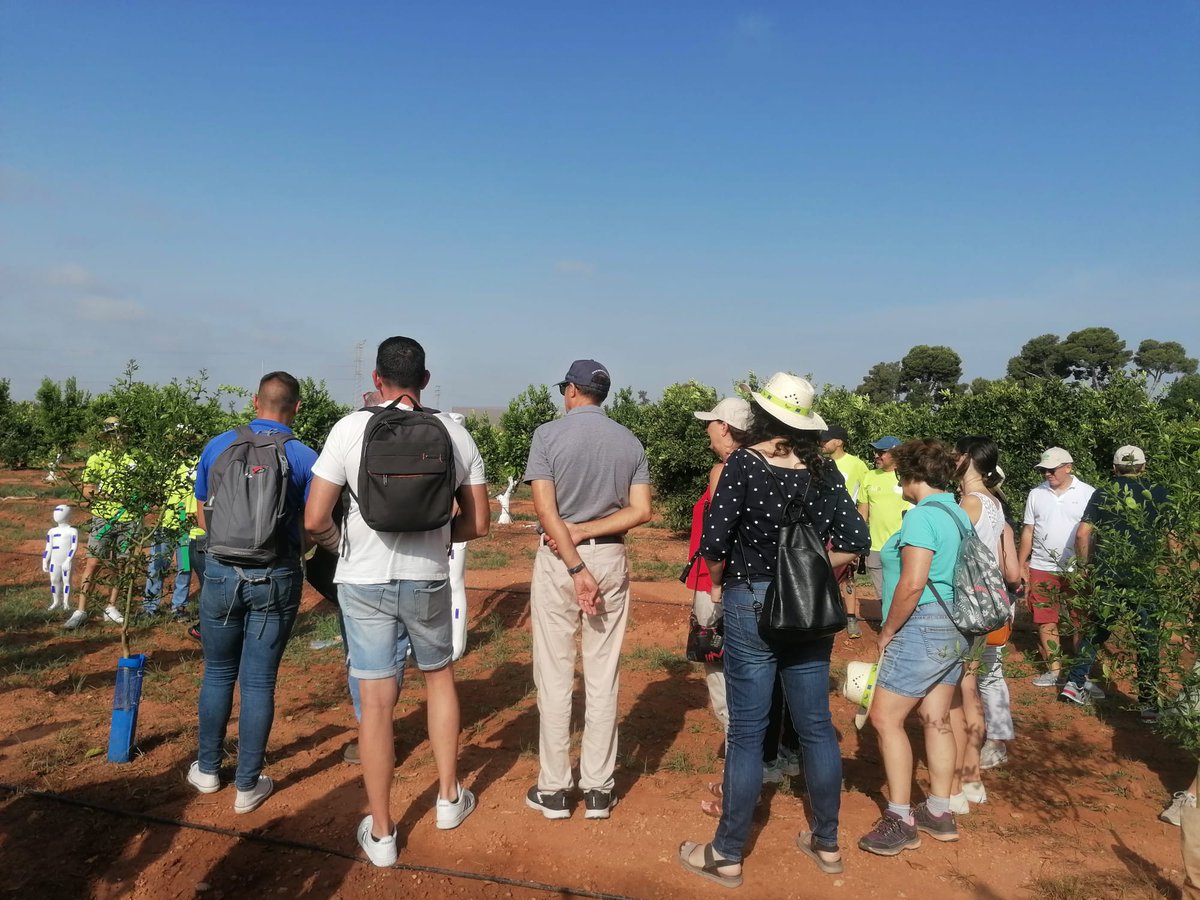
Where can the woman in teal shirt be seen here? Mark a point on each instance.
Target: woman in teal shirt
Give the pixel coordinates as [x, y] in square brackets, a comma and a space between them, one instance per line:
[921, 651]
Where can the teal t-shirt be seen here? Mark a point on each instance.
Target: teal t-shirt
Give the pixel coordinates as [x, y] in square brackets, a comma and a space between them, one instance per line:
[931, 529]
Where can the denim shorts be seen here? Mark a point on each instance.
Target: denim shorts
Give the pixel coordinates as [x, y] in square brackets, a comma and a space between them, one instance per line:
[927, 651]
[377, 614]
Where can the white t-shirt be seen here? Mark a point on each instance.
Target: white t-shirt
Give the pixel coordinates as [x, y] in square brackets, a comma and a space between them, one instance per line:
[1055, 519]
[376, 557]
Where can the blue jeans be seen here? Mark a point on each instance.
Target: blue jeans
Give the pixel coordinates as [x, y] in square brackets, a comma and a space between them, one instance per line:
[156, 570]
[751, 665]
[352, 682]
[245, 623]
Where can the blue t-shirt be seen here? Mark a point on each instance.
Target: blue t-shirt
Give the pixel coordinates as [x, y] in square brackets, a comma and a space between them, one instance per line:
[300, 459]
[930, 529]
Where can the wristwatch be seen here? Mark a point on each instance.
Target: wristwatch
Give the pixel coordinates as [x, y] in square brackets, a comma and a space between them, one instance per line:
[575, 570]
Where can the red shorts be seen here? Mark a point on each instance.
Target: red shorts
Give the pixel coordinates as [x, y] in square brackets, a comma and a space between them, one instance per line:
[1044, 592]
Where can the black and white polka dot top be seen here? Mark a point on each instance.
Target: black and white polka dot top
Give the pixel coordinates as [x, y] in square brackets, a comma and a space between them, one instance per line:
[741, 527]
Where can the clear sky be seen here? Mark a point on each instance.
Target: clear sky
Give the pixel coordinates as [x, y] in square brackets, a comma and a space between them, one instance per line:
[678, 189]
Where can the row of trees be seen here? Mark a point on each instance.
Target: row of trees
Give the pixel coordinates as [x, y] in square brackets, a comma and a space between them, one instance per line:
[1090, 356]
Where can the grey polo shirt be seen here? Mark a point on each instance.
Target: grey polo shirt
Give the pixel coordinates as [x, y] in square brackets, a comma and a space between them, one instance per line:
[592, 461]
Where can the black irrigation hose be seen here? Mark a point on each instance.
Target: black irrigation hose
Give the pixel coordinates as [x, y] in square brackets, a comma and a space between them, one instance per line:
[287, 843]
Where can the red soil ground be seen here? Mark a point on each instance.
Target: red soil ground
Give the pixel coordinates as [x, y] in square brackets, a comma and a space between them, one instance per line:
[1071, 815]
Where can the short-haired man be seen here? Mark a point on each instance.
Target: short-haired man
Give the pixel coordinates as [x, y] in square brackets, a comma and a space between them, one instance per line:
[881, 504]
[1053, 511]
[392, 582]
[833, 445]
[1124, 589]
[590, 485]
[247, 611]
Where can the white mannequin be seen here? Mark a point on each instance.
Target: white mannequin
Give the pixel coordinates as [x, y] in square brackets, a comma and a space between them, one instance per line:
[61, 543]
[458, 585]
[505, 499]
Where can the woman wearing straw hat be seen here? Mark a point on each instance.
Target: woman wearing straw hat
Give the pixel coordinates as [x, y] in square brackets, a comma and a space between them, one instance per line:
[921, 650]
[781, 462]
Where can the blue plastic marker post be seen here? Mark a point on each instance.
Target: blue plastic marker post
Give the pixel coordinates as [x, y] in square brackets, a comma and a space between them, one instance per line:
[127, 696]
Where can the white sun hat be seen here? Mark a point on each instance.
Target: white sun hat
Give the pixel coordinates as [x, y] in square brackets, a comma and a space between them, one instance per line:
[789, 399]
[859, 688]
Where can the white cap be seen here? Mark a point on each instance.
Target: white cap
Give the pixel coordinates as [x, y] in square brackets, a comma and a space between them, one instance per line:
[733, 411]
[1129, 455]
[1053, 458]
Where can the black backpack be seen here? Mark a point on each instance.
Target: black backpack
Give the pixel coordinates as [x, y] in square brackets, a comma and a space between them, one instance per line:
[803, 602]
[406, 472]
[246, 514]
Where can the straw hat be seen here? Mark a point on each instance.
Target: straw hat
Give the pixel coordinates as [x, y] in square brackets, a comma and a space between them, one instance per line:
[789, 399]
[859, 688]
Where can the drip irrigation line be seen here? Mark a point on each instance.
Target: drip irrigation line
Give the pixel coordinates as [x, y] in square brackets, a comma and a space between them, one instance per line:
[288, 843]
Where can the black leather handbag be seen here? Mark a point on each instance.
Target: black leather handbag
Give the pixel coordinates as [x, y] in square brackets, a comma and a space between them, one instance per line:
[803, 602]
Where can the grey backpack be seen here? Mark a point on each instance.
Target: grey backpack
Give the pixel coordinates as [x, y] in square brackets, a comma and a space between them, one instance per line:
[246, 514]
[981, 602]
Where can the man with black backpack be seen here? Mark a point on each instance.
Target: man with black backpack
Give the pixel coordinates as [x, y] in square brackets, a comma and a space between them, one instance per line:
[408, 468]
[251, 484]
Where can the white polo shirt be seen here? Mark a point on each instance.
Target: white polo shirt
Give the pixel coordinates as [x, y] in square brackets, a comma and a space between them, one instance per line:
[1055, 519]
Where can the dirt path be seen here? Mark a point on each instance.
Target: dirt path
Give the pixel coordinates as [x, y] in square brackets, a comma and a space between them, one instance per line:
[1072, 815]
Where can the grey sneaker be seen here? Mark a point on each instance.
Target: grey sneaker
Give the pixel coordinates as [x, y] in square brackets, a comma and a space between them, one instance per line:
[77, 618]
[852, 629]
[1046, 679]
[249, 801]
[1171, 815]
[940, 828]
[890, 836]
[598, 804]
[350, 754]
[551, 804]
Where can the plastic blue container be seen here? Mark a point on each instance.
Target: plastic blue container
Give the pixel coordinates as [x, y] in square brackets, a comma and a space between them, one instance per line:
[126, 698]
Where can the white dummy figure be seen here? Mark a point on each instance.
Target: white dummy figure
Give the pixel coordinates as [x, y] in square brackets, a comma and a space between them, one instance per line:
[505, 499]
[61, 543]
[458, 585]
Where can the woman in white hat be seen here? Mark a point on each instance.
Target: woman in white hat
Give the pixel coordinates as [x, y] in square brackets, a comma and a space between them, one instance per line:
[780, 463]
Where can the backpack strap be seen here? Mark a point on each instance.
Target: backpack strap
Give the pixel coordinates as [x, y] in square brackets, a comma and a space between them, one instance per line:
[962, 534]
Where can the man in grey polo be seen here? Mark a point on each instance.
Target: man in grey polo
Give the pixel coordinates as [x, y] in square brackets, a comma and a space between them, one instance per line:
[590, 486]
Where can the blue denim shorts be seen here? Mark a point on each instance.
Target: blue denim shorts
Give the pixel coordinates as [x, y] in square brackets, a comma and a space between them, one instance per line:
[927, 651]
[377, 614]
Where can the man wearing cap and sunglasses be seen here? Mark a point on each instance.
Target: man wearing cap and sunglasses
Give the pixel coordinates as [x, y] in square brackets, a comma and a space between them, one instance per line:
[881, 504]
[1053, 511]
[590, 485]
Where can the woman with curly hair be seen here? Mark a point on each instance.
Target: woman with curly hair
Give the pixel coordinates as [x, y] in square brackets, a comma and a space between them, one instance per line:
[921, 650]
[780, 463]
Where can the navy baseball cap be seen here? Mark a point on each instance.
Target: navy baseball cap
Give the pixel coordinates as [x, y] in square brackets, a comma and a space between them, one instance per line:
[887, 443]
[583, 373]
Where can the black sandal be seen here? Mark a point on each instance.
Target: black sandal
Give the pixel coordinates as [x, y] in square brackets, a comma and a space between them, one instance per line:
[711, 864]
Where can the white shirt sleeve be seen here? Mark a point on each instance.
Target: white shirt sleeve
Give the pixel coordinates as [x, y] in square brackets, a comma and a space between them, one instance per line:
[331, 464]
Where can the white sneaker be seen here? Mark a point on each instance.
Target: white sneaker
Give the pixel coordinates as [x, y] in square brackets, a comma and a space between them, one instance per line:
[249, 801]
[789, 762]
[974, 791]
[380, 851]
[77, 618]
[1171, 815]
[958, 804]
[773, 773]
[450, 814]
[994, 753]
[1093, 689]
[201, 781]
[1046, 679]
[113, 615]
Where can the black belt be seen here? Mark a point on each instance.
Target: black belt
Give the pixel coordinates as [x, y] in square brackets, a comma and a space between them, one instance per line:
[605, 539]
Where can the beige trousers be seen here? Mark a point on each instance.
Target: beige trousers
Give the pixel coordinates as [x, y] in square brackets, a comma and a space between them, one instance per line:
[557, 620]
[706, 613]
[1189, 819]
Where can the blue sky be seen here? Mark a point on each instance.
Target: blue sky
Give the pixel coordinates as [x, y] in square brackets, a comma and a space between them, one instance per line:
[681, 190]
